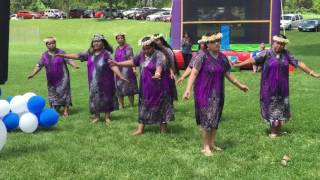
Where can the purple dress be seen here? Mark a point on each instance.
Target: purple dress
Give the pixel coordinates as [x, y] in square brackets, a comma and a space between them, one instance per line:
[58, 78]
[209, 88]
[155, 102]
[102, 91]
[170, 61]
[274, 87]
[191, 64]
[124, 88]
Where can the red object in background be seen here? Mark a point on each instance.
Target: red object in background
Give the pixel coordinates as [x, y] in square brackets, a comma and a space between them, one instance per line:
[241, 57]
[28, 15]
[179, 59]
[99, 14]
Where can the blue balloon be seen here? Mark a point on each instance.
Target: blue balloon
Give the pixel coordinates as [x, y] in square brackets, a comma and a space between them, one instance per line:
[9, 98]
[48, 118]
[36, 104]
[11, 121]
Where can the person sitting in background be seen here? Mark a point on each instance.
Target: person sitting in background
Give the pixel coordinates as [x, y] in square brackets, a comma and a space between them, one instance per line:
[257, 68]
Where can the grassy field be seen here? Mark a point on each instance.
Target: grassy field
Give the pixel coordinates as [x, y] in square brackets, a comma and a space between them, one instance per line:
[75, 149]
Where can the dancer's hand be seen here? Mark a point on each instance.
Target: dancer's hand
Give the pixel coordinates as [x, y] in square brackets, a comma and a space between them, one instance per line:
[316, 75]
[134, 71]
[156, 76]
[243, 88]
[30, 76]
[172, 75]
[124, 79]
[179, 80]
[186, 95]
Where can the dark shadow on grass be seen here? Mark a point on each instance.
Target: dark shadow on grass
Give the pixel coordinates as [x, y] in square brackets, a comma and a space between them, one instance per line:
[228, 144]
[21, 150]
[103, 19]
[76, 110]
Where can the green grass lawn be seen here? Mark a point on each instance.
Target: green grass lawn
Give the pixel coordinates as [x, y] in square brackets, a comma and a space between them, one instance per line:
[75, 149]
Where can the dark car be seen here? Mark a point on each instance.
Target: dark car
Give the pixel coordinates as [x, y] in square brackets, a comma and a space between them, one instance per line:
[76, 13]
[88, 13]
[106, 13]
[310, 25]
[142, 15]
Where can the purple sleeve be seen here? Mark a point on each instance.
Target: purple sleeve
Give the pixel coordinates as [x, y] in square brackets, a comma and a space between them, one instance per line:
[67, 61]
[292, 60]
[129, 53]
[197, 61]
[261, 58]
[136, 60]
[227, 66]
[161, 59]
[40, 63]
[83, 56]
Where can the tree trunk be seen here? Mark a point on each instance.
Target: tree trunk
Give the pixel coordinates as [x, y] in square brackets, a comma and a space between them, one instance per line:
[110, 9]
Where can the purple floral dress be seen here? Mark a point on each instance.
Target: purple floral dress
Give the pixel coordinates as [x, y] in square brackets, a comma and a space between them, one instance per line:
[170, 61]
[209, 88]
[102, 91]
[124, 88]
[155, 102]
[274, 87]
[58, 79]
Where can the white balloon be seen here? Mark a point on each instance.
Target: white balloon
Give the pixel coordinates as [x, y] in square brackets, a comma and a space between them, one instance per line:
[3, 134]
[28, 123]
[18, 105]
[28, 95]
[4, 108]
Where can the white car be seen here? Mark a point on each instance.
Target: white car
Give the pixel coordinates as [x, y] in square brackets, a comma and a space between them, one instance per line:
[54, 13]
[289, 21]
[158, 16]
[13, 17]
[130, 11]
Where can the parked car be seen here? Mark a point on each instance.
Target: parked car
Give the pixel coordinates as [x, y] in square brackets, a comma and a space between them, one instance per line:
[106, 13]
[13, 17]
[88, 13]
[310, 25]
[289, 21]
[28, 15]
[158, 16]
[55, 13]
[130, 11]
[76, 13]
[166, 18]
[142, 15]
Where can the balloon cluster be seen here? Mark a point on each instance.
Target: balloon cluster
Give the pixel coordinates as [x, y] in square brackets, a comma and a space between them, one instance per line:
[26, 112]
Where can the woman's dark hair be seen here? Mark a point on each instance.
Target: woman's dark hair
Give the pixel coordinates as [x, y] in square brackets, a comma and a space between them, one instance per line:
[153, 44]
[163, 41]
[203, 44]
[123, 36]
[106, 45]
[282, 36]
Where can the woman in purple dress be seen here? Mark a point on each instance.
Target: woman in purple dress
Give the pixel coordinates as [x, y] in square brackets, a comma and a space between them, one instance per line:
[124, 52]
[58, 79]
[208, 72]
[102, 91]
[274, 87]
[166, 49]
[155, 102]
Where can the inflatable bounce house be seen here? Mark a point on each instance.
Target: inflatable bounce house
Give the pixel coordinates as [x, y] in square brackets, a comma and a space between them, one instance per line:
[244, 24]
